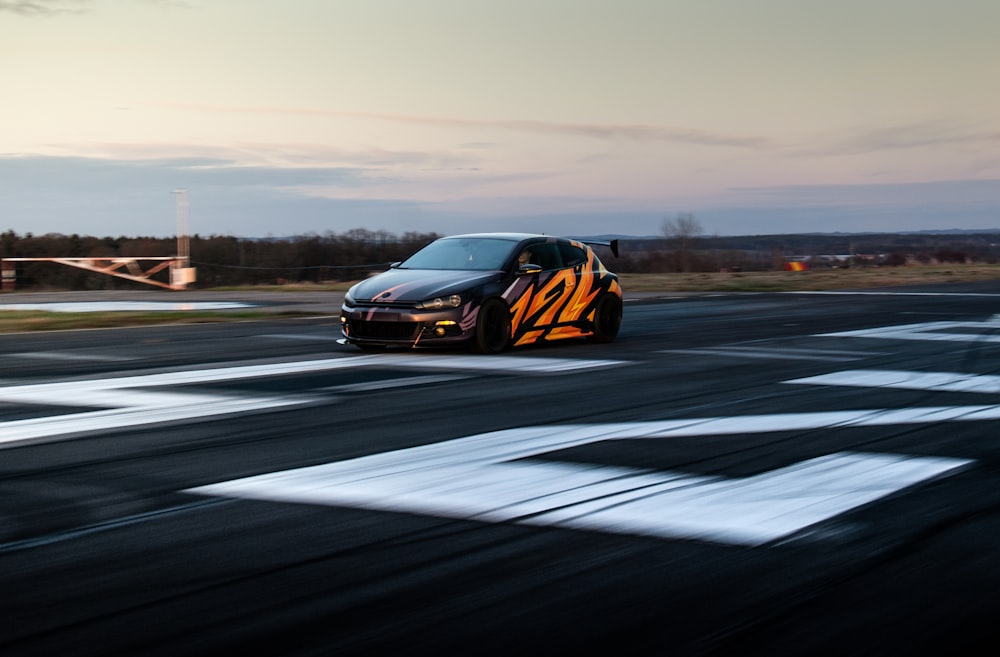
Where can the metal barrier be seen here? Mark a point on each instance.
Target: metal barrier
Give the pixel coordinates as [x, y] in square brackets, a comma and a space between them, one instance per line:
[128, 268]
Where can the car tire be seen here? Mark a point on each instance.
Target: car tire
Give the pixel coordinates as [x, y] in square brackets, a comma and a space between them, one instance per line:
[492, 328]
[607, 319]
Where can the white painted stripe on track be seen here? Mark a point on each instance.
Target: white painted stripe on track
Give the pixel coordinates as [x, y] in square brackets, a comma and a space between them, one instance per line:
[827, 352]
[758, 509]
[300, 336]
[931, 381]
[932, 331]
[124, 405]
[485, 477]
[55, 355]
[395, 383]
[894, 294]
[211, 375]
[129, 306]
[768, 354]
[191, 406]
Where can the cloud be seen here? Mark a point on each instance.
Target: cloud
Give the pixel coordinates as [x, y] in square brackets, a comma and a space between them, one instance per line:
[45, 7]
[79, 175]
[903, 137]
[602, 131]
[933, 205]
[134, 197]
[240, 154]
[956, 192]
[58, 7]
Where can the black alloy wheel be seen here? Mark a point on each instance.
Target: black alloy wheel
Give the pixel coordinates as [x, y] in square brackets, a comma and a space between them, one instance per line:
[492, 328]
[607, 319]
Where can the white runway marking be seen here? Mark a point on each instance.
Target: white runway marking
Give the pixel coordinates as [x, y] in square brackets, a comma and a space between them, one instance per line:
[988, 331]
[123, 405]
[942, 381]
[776, 353]
[54, 355]
[300, 336]
[120, 306]
[385, 384]
[895, 294]
[483, 478]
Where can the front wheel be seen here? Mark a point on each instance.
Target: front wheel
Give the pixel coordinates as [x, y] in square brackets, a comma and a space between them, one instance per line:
[607, 319]
[492, 328]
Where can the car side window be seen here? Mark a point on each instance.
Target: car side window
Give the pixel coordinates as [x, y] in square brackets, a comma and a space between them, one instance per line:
[547, 255]
[572, 255]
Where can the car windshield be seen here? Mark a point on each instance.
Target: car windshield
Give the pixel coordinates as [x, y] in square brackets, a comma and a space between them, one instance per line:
[477, 253]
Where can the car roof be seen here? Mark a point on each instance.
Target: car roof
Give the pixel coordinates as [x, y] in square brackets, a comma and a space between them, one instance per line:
[502, 236]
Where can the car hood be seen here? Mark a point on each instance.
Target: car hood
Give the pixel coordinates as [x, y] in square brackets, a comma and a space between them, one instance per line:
[412, 285]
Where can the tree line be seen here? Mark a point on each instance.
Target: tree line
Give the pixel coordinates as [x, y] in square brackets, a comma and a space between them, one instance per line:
[223, 260]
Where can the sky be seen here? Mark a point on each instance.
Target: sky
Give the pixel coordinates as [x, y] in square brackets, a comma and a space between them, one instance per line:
[572, 117]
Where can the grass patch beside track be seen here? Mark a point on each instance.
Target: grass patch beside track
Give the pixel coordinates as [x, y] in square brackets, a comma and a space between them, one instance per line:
[810, 280]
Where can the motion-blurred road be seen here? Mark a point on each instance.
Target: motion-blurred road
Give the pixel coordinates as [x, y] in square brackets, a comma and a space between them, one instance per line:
[769, 474]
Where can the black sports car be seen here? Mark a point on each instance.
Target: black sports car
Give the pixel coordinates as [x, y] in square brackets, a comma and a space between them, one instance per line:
[491, 290]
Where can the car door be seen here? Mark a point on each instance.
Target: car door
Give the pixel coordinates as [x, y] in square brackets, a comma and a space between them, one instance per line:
[535, 297]
[580, 293]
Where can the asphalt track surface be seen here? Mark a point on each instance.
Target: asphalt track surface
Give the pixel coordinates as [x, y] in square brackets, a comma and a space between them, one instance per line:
[747, 474]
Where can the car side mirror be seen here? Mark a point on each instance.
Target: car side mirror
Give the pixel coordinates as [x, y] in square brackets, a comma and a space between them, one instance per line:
[529, 268]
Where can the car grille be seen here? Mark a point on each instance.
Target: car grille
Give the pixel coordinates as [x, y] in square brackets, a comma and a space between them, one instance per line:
[383, 330]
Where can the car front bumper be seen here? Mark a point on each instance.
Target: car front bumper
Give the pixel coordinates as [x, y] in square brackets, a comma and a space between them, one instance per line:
[404, 326]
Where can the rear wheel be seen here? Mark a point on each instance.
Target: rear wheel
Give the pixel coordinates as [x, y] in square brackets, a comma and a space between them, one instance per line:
[492, 328]
[607, 319]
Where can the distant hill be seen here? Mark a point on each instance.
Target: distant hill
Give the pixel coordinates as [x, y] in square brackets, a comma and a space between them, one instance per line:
[796, 236]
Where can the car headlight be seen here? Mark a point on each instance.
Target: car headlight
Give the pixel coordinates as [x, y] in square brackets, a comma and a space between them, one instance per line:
[440, 303]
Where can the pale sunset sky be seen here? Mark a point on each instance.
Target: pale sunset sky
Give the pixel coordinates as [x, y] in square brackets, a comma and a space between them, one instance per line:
[574, 117]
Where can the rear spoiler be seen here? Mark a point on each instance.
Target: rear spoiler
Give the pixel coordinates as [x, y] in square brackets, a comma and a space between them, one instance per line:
[613, 245]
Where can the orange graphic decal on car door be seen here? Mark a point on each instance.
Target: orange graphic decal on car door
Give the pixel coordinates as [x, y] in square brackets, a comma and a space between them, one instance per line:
[582, 297]
[550, 299]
